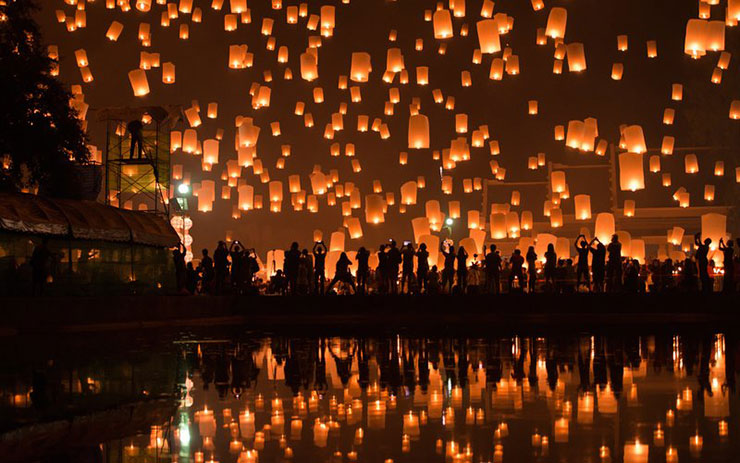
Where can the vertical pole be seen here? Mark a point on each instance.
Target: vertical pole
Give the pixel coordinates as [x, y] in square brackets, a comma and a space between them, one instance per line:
[105, 162]
[613, 179]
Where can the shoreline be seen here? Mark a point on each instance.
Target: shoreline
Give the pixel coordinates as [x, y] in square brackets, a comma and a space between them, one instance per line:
[404, 313]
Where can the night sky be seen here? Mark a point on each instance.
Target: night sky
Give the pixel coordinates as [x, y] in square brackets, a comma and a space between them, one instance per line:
[640, 97]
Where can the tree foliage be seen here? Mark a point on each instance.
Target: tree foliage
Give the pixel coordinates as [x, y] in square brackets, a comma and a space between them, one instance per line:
[41, 136]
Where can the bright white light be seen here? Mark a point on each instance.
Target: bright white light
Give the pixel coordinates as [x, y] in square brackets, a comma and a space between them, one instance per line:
[449, 221]
[183, 189]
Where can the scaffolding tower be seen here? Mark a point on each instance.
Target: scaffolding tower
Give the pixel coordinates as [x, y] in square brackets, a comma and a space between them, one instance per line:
[138, 183]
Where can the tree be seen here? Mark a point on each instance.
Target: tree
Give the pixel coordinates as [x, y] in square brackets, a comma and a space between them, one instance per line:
[41, 136]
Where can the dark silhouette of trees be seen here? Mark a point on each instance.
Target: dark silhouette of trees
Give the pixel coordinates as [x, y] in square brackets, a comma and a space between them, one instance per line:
[41, 136]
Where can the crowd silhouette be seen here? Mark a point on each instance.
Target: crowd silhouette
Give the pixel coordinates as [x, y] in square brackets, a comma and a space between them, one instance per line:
[599, 268]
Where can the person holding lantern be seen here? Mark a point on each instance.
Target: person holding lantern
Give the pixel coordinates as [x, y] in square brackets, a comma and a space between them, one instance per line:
[702, 261]
[582, 267]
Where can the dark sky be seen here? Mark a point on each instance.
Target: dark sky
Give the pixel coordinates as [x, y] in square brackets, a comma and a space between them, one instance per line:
[363, 25]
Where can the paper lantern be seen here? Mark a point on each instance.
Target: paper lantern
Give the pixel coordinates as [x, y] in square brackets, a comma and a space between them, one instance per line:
[418, 133]
[498, 226]
[336, 241]
[420, 226]
[654, 163]
[652, 49]
[374, 205]
[556, 23]
[442, 22]
[709, 193]
[713, 226]
[691, 164]
[696, 37]
[666, 146]
[576, 57]
[684, 199]
[617, 71]
[631, 174]
[473, 219]
[512, 65]
[576, 134]
[114, 31]
[394, 60]
[634, 139]
[676, 92]
[715, 36]
[512, 224]
[557, 181]
[408, 193]
[556, 217]
[604, 227]
[139, 82]
[582, 207]
[735, 109]
[488, 36]
[629, 208]
[527, 220]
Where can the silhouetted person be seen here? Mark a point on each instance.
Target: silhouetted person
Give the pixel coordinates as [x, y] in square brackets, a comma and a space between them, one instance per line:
[702, 261]
[221, 265]
[363, 269]
[448, 271]
[191, 278]
[40, 266]
[531, 269]
[178, 256]
[290, 267]
[135, 129]
[614, 265]
[728, 254]
[342, 273]
[407, 268]
[598, 263]
[551, 260]
[206, 271]
[236, 252]
[582, 268]
[394, 261]
[319, 263]
[462, 268]
[381, 272]
[433, 281]
[493, 270]
[422, 266]
[517, 271]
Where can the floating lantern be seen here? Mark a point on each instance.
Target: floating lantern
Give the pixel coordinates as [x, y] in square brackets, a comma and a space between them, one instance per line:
[576, 57]
[488, 36]
[139, 82]
[418, 133]
[556, 23]
[582, 207]
[691, 164]
[442, 22]
[604, 227]
[634, 139]
[631, 175]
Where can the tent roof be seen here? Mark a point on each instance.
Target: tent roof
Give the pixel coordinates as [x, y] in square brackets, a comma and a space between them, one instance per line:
[85, 220]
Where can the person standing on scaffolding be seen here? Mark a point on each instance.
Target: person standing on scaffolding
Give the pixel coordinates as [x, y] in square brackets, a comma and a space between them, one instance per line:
[136, 128]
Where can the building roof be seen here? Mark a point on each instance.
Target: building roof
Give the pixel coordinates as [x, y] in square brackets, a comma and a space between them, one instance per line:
[84, 220]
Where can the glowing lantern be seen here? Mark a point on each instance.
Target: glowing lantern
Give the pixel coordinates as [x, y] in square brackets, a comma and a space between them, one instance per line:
[667, 145]
[394, 60]
[582, 207]
[714, 226]
[735, 109]
[488, 36]
[631, 174]
[139, 82]
[557, 181]
[576, 134]
[709, 193]
[684, 199]
[652, 49]
[691, 164]
[634, 139]
[629, 208]
[418, 136]
[617, 71]
[168, 73]
[532, 107]
[696, 37]
[677, 92]
[576, 57]
[442, 21]
[309, 67]
[654, 163]
[715, 39]
[420, 225]
[604, 227]
[114, 31]
[512, 65]
[556, 23]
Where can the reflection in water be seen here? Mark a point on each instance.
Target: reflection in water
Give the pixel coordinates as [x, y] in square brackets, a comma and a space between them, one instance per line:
[396, 399]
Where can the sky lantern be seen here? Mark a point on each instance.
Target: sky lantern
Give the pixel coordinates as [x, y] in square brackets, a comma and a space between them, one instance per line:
[512, 65]
[139, 82]
[422, 75]
[719, 168]
[634, 139]
[631, 173]
[497, 69]
[666, 146]
[724, 60]
[360, 67]
[676, 92]
[622, 42]
[498, 226]
[488, 36]
[691, 163]
[735, 109]
[276, 191]
[617, 71]
[604, 227]
[556, 22]
[714, 226]
[709, 193]
[532, 107]
[442, 22]
[557, 181]
[576, 57]
[652, 49]
[327, 17]
[354, 227]
[114, 31]
[394, 60]
[210, 151]
[420, 226]
[695, 42]
[461, 123]
[715, 39]
[576, 133]
[168, 73]
[629, 208]
[582, 207]
[309, 67]
[654, 163]
[418, 136]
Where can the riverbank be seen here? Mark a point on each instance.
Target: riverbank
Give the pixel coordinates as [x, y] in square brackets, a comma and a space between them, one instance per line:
[404, 313]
